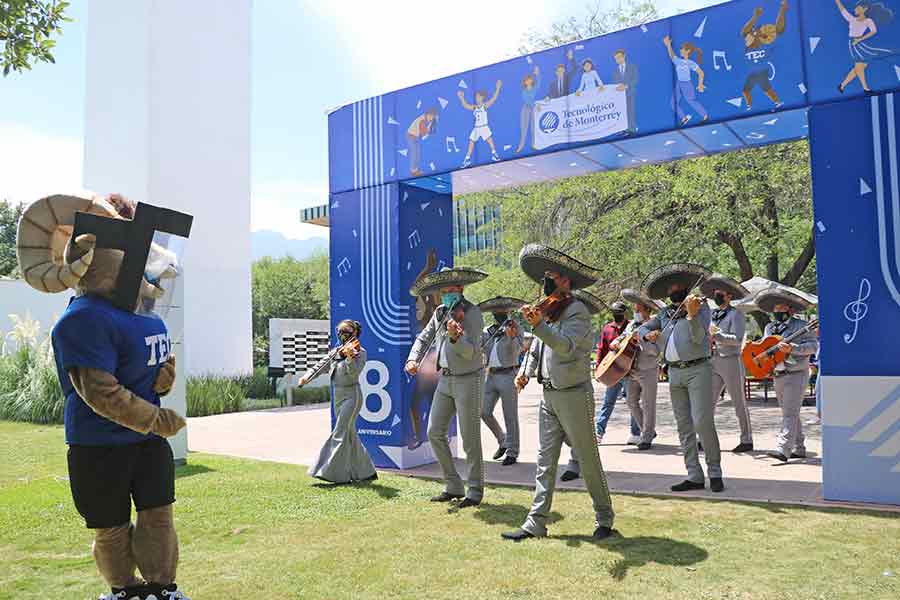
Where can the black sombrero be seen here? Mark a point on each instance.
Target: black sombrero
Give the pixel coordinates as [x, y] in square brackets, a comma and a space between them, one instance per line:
[593, 303]
[501, 304]
[767, 299]
[638, 297]
[657, 283]
[432, 282]
[535, 259]
[718, 282]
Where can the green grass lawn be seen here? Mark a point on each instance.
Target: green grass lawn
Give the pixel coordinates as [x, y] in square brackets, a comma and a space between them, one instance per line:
[263, 530]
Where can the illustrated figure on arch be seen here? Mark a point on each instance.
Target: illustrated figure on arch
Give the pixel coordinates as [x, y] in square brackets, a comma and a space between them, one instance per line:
[684, 85]
[418, 131]
[481, 130]
[530, 84]
[867, 17]
[759, 51]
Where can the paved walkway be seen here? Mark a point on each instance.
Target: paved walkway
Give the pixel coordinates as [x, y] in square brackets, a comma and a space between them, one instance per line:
[294, 435]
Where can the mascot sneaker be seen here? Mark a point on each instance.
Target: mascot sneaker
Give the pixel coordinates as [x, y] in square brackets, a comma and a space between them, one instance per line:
[170, 592]
[132, 593]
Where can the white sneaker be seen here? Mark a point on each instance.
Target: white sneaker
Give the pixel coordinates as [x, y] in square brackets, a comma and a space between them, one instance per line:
[599, 439]
[176, 595]
[122, 595]
[634, 440]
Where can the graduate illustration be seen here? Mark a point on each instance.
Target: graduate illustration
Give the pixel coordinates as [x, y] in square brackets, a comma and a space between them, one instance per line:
[590, 80]
[760, 51]
[864, 24]
[481, 130]
[530, 84]
[684, 84]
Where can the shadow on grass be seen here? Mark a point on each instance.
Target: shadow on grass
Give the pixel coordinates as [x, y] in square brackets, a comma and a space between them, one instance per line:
[189, 470]
[511, 515]
[639, 551]
[384, 491]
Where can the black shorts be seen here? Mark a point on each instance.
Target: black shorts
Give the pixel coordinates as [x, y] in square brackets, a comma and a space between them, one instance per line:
[105, 479]
[760, 78]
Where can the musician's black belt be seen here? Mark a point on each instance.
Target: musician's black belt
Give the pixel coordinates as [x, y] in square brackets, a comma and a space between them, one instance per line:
[494, 370]
[685, 364]
[445, 371]
[549, 386]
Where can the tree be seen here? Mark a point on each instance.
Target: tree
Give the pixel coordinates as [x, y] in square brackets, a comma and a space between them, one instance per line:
[9, 222]
[27, 29]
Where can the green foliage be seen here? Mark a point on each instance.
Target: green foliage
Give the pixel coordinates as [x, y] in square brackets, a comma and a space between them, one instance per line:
[27, 32]
[9, 222]
[255, 385]
[287, 288]
[29, 387]
[213, 395]
[310, 395]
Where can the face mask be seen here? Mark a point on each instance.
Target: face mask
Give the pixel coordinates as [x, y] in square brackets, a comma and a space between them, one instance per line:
[345, 336]
[618, 317]
[678, 297]
[450, 298]
[499, 318]
[781, 317]
[719, 298]
[549, 286]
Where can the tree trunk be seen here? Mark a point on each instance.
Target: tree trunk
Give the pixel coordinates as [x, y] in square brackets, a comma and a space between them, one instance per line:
[770, 211]
[740, 253]
[802, 262]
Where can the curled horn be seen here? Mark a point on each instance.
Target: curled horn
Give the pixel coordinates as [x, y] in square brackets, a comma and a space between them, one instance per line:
[45, 231]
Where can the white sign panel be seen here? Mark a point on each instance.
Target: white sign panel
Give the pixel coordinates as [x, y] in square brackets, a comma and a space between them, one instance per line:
[593, 115]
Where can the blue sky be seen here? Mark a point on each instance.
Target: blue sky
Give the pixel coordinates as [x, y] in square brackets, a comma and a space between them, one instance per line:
[308, 56]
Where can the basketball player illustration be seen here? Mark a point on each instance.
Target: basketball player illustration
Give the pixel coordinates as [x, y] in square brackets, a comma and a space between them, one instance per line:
[482, 130]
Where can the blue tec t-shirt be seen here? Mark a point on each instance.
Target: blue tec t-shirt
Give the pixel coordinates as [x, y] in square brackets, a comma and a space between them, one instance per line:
[93, 333]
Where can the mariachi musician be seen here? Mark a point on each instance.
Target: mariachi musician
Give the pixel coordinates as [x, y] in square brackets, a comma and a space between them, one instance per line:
[727, 334]
[343, 458]
[792, 375]
[502, 344]
[563, 325]
[455, 330]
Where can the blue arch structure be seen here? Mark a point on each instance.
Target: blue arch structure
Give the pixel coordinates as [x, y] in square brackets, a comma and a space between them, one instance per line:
[393, 173]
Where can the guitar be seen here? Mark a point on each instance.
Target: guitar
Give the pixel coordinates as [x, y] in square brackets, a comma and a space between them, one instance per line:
[615, 365]
[761, 357]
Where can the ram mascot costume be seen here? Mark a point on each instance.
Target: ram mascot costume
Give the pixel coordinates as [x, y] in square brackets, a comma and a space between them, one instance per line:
[114, 361]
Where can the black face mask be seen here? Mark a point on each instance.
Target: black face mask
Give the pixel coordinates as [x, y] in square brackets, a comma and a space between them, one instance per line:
[719, 298]
[678, 297]
[500, 318]
[618, 317]
[345, 336]
[549, 285]
[781, 317]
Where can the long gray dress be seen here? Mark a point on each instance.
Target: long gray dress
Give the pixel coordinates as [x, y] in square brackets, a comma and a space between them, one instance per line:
[343, 457]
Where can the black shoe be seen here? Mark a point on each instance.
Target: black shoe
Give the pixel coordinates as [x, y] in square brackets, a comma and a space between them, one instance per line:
[644, 446]
[445, 497]
[796, 455]
[699, 446]
[716, 484]
[499, 453]
[777, 456]
[517, 536]
[510, 460]
[467, 502]
[687, 485]
[841, 88]
[601, 533]
[569, 476]
[742, 447]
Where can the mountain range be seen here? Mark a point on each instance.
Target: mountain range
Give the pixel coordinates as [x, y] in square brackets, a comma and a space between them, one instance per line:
[275, 245]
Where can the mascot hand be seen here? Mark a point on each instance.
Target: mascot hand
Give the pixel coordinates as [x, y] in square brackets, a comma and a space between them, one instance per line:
[168, 423]
[165, 379]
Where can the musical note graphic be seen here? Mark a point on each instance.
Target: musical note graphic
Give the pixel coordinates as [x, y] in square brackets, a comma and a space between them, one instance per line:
[857, 310]
[717, 54]
[414, 238]
[343, 266]
[451, 141]
[755, 136]
[418, 104]
[441, 264]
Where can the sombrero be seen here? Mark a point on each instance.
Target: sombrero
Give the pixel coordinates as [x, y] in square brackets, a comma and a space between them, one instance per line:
[535, 259]
[724, 283]
[432, 282]
[767, 299]
[657, 283]
[593, 303]
[638, 297]
[501, 304]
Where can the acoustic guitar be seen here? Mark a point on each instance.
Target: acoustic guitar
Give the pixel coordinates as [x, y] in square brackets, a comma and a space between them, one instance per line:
[760, 358]
[615, 365]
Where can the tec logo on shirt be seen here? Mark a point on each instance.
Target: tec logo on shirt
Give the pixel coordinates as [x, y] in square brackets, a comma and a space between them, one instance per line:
[158, 347]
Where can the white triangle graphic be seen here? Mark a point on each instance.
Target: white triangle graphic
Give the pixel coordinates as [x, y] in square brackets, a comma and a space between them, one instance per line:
[736, 101]
[394, 453]
[814, 43]
[392, 121]
[404, 152]
[770, 123]
[443, 102]
[644, 28]
[395, 421]
[802, 87]
[418, 104]
[897, 70]
[699, 32]
[669, 142]
[424, 205]
[864, 187]
[462, 84]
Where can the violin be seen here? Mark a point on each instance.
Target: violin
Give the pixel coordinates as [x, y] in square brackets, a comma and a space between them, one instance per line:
[350, 348]
[548, 305]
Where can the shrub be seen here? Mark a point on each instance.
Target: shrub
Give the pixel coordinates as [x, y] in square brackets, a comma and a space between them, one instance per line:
[256, 385]
[29, 387]
[312, 395]
[213, 395]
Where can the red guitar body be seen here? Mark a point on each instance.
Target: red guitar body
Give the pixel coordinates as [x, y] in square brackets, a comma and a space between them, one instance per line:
[615, 365]
[757, 362]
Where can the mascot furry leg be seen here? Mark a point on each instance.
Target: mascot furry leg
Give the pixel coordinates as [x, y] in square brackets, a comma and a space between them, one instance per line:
[114, 363]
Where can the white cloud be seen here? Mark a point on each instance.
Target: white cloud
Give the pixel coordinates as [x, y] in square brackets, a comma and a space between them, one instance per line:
[276, 206]
[34, 164]
[405, 42]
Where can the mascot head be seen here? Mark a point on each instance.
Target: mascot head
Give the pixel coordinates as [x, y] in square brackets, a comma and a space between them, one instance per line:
[102, 245]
